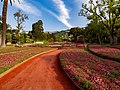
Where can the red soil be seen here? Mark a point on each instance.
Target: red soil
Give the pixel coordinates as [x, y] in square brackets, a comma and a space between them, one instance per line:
[43, 73]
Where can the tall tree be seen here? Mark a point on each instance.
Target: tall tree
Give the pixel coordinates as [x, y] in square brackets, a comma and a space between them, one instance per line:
[106, 12]
[4, 14]
[37, 30]
[20, 18]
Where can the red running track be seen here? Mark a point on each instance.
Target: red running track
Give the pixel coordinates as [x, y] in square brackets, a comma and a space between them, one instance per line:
[43, 73]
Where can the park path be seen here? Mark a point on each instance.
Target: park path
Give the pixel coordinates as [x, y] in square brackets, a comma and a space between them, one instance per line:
[44, 73]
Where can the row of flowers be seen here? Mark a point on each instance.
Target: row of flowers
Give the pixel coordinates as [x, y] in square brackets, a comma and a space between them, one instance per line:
[106, 51]
[90, 72]
[12, 59]
[13, 49]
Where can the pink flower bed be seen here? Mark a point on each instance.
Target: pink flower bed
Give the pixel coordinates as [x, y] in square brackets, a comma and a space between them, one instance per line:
[12, 59]
[90, 72]
[105, 51]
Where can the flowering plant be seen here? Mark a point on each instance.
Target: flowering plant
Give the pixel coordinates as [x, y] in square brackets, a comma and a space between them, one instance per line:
[7, 60]
[89, 71]
[110, 53]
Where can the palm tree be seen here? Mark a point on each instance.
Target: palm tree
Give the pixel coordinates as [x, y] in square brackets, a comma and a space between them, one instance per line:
[4, 14]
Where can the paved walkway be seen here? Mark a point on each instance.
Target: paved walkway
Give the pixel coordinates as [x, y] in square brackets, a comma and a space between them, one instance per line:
[44, 73]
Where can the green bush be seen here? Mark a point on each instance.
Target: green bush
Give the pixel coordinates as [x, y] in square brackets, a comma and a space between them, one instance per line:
[86, 84]
[76, 76]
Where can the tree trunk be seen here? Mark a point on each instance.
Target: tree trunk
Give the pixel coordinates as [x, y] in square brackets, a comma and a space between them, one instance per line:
[111, 35]
[4, 14]
[115, 39]
[99, 39]
[19, 32]
[111, 40]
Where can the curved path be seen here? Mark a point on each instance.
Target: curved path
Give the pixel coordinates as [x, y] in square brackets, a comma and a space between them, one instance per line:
[44, 73]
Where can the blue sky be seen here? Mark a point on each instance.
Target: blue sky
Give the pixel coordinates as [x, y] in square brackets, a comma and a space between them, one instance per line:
[56, 15]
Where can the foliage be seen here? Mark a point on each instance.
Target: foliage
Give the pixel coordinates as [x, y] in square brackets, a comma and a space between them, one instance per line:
[13, 37]
[50, 37]
[106, 12]
[76, 32]
[37, 31]
[61, 35]
[8, 37]
[69, 35]
[20, 18]
[96, 33]
[86, 84]
[4, 17]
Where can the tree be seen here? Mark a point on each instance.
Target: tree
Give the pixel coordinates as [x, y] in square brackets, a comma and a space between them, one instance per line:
[14, 33]
[76, 31]
[96, 33]
[4, 14]
[106, 12]
[49, 36]
[9, 33]
[20, 18]
[37, 30]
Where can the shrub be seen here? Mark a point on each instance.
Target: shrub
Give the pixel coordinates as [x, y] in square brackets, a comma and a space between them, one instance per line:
[86, 84]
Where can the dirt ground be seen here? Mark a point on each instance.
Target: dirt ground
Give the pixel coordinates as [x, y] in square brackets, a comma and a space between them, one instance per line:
[44, 73]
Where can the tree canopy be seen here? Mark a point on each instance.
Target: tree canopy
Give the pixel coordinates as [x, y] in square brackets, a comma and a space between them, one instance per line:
[20, 18]
[106, 12]
[37, 30]
[75, 32]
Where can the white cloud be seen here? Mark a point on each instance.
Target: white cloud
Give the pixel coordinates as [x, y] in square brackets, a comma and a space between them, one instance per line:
[27, 7]
[84, 1]
[64, 13]
[81, 1]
